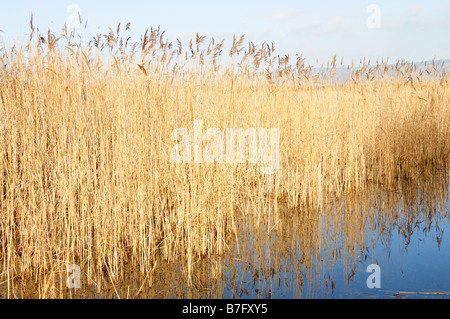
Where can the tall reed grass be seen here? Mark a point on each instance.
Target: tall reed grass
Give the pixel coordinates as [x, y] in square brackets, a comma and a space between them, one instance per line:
[85, 141]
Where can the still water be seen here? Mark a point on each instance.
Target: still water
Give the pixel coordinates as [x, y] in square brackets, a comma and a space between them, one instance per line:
[317, 253]
[305, 253]
[404, 231]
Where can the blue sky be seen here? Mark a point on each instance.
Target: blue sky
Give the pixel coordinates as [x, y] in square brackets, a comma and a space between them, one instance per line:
[414, 30]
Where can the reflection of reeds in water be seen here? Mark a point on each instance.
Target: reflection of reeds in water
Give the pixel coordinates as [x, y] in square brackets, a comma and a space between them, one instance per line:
[86, 175]
[291, 254]
[297, 258]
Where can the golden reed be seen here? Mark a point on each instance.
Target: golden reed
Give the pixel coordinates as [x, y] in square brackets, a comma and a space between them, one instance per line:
[86, 175]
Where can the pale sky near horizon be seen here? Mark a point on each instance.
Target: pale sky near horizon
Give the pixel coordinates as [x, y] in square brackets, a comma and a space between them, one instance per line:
[415, 30]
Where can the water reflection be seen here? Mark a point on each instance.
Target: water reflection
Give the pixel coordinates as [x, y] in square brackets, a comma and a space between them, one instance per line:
[326, 254]
[305, 253]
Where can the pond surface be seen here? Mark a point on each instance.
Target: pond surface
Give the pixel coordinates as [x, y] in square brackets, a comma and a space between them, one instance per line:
[309, 253]
[405, 231]
[306, 253]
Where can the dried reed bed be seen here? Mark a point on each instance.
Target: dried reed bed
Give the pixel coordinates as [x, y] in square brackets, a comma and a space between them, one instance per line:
[85, 141]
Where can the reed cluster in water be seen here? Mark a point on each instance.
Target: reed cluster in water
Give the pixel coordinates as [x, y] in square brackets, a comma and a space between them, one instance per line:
[86, 174]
